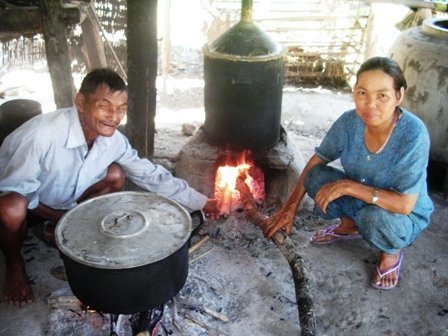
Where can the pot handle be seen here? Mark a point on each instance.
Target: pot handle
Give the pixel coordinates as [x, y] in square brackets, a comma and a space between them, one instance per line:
[198, 219]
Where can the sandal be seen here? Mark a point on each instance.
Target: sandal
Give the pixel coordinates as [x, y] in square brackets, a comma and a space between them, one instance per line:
[329, 232]
[393, 268]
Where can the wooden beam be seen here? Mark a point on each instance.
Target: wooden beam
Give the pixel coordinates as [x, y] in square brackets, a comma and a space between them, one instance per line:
[56, 48]
[27, 21]
[93, 46]
[409, 3]
[142, 73]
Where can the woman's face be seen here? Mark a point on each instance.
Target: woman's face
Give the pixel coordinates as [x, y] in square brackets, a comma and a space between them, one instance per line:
[102, 112]
[376, 98]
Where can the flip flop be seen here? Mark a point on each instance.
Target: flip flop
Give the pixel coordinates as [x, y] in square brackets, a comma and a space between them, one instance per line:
[329, 232]
[394, 267]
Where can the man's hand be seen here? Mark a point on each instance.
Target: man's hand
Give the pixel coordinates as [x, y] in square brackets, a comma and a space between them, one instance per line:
[210, 209]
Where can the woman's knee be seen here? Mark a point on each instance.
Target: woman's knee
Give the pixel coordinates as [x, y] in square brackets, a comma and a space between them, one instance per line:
[320, 175]
[115, 176]
[384, 229]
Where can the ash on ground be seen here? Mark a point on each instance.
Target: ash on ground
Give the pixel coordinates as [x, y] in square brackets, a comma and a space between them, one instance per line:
[239, 283]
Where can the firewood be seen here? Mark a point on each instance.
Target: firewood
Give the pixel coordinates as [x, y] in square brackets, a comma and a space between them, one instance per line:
[206, 310]
[202, 255]
[250, 208]
[65, 302]
[203, 325]
[198, 244]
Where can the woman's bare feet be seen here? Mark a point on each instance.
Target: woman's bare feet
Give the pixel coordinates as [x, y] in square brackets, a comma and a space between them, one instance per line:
[345, 230]
[17, 290]
[387, 270]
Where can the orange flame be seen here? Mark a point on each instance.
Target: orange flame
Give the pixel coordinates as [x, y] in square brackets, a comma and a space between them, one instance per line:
[226, 194]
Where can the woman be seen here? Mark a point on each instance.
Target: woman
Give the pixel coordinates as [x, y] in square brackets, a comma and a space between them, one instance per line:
[381, 196]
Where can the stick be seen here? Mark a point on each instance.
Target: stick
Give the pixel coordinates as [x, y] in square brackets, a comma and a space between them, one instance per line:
[203, 325]
[198, 244]
[202, 255]
[215, 314]
[208, 311]
[178, 327]
[176, 316]
[65, 302]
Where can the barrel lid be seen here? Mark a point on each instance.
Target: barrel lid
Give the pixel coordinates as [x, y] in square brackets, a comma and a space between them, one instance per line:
[244, 41]
[123, 230]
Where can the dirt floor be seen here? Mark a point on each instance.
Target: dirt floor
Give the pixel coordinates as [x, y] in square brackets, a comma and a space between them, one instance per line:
[246, 278]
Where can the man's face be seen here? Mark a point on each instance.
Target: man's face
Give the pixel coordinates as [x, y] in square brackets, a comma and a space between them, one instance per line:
[102, 112]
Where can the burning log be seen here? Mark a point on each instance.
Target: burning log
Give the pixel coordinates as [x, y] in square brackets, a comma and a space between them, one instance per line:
[250, 208]
[295, 261]
[226, 194]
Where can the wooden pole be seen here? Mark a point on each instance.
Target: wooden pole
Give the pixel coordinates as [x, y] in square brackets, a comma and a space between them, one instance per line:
[93, 43]
[142, 74]
[56, 47]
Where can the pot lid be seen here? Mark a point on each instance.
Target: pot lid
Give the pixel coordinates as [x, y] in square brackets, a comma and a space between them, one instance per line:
[123, 230]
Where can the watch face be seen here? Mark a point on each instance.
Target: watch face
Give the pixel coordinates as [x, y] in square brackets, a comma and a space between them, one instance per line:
[375, 196]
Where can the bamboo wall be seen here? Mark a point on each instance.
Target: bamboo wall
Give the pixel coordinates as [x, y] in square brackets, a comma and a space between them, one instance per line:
[326, 39]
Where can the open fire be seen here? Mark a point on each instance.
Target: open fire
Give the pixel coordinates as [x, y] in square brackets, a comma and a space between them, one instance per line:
[229, 168]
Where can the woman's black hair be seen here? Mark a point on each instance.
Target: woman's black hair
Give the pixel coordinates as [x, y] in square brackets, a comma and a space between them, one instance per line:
[98, 77]
[387, 65]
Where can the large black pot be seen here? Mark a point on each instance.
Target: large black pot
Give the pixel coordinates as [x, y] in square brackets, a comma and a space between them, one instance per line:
[243, 74]
[14, 113]
[125, 252]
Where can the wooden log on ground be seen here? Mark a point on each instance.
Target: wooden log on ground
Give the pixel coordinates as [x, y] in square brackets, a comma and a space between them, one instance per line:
[295, 261]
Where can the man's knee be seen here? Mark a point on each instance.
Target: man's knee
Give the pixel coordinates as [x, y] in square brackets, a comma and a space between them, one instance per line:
[13, 208]
[115, 176]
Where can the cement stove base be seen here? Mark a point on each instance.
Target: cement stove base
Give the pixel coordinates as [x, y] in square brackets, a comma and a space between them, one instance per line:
[281, 163]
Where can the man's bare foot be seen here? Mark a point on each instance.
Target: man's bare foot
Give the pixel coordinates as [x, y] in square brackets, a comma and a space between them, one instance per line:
[17, 290]
[387, 270]
[345, 230]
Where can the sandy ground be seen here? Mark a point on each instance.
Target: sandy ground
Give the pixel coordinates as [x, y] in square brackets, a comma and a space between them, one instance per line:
[245, 277]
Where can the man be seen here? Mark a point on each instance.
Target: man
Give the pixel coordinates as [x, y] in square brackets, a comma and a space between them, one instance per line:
[57, 160]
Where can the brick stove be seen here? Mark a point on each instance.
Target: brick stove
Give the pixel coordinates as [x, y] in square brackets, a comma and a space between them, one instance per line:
[281, 163]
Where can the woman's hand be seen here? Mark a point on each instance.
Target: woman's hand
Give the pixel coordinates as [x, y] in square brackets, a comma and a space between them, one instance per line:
[282, 219]
[329, 192]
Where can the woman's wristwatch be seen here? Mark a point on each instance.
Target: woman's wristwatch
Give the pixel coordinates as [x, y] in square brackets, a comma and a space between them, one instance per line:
[375, 196]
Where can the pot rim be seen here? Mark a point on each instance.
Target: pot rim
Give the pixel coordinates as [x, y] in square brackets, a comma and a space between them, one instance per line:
[157, 227]
[430, 28]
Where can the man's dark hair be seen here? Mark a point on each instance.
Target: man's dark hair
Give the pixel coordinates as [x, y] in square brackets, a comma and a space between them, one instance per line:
[98, 77]
[387, 65]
